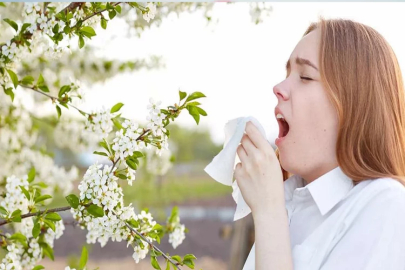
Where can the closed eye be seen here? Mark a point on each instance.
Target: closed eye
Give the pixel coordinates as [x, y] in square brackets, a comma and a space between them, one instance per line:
[306, 78]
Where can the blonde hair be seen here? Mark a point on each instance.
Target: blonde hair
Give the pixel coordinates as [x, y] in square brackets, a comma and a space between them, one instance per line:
[363, 80]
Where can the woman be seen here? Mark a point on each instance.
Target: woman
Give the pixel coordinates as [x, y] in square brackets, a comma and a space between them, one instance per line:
[341, 154]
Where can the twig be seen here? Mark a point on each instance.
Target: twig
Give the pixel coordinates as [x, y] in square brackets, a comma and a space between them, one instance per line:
[53, 98]
[151, 244]
[59, 209]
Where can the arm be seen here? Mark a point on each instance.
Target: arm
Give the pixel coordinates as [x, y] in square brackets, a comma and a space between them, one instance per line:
[272, 239]
[260, 179]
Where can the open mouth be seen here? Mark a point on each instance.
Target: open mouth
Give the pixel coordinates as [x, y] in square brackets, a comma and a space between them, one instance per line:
[283, 127]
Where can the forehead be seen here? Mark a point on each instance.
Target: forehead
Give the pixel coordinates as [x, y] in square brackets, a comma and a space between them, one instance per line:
[308, 48]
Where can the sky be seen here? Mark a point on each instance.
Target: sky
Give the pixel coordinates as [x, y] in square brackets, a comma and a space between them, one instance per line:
[234, 62]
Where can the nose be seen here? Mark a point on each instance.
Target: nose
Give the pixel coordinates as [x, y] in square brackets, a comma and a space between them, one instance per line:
[279, 91]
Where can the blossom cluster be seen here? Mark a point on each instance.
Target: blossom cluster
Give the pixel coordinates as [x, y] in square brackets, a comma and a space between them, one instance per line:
[150, 14]
[100, 122]
[177, 236]
[125, 141]
[155, 123]
[99, 186]
[18, 256]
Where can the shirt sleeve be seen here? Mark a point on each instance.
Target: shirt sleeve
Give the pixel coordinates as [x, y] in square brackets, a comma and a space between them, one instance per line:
[375, 239]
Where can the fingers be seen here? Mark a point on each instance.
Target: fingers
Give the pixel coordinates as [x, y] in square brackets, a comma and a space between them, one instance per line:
[248, 145]
[241, 153]
[257, 139]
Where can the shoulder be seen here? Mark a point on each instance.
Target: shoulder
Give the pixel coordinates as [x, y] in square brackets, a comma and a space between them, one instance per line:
[381, 197]
[382, 188]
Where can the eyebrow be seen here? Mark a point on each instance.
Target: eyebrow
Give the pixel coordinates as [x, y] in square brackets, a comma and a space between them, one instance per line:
[301, 61]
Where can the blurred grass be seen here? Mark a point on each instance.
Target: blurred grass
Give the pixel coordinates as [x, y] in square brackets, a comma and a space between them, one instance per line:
[145, 192]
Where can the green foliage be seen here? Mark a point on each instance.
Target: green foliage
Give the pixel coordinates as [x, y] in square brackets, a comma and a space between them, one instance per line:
[72, 200]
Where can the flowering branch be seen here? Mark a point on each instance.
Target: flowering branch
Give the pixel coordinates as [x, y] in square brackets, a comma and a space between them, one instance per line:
[60, 100]
[54, 210]
[153, 246]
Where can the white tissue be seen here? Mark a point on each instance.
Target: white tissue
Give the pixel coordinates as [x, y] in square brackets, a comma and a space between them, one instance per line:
[222, 166]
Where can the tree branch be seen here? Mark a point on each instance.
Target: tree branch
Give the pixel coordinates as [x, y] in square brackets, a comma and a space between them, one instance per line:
[152, 245]
[53, 98]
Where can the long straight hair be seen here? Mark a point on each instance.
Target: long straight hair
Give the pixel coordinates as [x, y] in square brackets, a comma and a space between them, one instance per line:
[363, 80]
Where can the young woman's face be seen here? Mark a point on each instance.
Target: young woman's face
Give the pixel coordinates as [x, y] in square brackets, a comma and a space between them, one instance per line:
[308, 149]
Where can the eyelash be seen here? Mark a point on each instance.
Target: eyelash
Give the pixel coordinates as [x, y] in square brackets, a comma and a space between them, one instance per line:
[306, 78]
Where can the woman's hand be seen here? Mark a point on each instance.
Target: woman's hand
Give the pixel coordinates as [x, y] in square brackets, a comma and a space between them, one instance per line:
[259, 174]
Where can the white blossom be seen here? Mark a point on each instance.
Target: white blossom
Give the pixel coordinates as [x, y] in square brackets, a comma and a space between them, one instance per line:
[31, 6]
[10, 49]
[100, 122]
[177, 236]
[150, 14]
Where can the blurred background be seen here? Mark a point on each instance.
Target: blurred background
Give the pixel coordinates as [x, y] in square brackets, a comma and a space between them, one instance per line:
[234, 53]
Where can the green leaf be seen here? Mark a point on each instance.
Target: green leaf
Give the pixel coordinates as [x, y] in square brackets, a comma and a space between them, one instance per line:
[64, 89]
[117, 123]
[44, 88]
[138, 154]
[9, 92]
[154, 262]
[12, 24]
[177, 258]
[47, 250]
[40, 80]
[103, 23]
[81, 42]
[118, 8]
[31, 175]
[2, 4]
[59, 111]
[16, 213]
[27, 80]
[134, 223]
[13, 77]
[50, 224]
[88, 31]
[42, 198]
[3, 211]
[26, 193]
[201, 111]
[36, 230]
[189, 263]
[195, 95]
[189, 257]
[132, 164]
[53, 217]
[104, 145]
[19, 237]
[40, 184]
[55, 29]
[116, 107]
[111, 14]
[122, 176]
[38, 267]
[83, 258]
[95, 210]
[194, 103]
[100, 153]
[193, 111]
[72, 200]
[24, 27]
[168, 263]
[182, 95]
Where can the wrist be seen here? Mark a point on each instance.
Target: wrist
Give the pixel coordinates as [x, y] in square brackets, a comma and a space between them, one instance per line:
[272, 210]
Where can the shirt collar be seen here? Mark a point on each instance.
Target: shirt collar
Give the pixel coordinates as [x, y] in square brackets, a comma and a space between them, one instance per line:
[327, 190]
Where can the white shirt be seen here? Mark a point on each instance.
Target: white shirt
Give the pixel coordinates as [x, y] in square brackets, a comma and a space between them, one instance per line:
[335, 225]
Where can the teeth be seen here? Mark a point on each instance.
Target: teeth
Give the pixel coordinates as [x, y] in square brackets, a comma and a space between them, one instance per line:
[279, 115]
